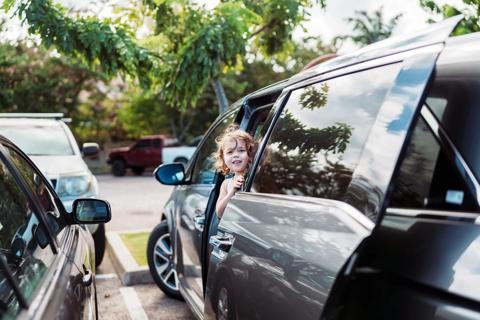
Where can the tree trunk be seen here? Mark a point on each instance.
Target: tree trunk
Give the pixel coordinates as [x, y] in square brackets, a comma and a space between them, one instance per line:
[220, 94]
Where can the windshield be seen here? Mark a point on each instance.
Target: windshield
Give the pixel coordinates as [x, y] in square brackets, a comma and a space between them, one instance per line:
[39, 140]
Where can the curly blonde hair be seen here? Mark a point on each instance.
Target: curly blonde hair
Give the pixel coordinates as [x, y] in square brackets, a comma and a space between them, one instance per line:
[233, 132]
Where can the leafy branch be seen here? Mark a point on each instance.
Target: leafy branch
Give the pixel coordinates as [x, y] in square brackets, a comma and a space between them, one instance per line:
[98, 43]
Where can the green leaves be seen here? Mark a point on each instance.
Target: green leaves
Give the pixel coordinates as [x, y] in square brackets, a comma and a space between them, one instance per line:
[471, 11]
[95, 42]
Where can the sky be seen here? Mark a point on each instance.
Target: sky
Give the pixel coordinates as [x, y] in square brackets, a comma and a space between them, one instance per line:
[331, 22]
[328, 22]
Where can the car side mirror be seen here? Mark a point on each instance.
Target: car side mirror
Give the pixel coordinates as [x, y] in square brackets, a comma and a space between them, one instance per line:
[89, 211]
[90, 149]
[171, 174]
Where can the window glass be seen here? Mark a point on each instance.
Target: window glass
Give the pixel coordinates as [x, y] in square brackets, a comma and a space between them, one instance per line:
[142, 144]
[157, 143]
[39, 140]
[427, 179]
[318, 139]
[204, 170]
[23, 240]
[54, 218]
[453, 98]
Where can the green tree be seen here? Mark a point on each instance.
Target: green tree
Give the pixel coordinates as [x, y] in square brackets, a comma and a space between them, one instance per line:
[35, 80]
[146, 112]
[196, 46]
[369, 28]
[471, 11]
[97, 43]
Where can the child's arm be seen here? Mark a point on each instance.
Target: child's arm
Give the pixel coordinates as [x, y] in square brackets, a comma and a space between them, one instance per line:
[225, 195]
[223, 199]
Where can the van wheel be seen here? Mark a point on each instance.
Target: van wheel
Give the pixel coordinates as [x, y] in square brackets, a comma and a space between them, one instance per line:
[224, 303]
[100, 241]
[119, 167]
[161, 262]
[138, 170]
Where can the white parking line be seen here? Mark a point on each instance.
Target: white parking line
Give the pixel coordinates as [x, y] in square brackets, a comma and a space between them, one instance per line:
[105, 276]
[134, 307]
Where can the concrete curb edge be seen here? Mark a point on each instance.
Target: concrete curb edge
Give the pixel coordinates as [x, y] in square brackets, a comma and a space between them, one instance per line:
[129, 272]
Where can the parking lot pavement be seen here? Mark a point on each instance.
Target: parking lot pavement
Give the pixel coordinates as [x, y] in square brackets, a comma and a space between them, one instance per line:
[136, 203]
[135, 302]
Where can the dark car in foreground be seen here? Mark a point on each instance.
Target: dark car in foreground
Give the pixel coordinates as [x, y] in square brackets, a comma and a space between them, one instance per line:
[47, 255]
[362, 201]
[48, 141]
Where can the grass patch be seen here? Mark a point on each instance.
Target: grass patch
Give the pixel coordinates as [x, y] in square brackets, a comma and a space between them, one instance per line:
[136, 243]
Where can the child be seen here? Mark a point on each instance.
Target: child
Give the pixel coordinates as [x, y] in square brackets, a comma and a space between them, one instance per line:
[234, 156]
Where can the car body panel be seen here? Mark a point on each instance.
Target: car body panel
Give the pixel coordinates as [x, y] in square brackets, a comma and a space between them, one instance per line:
[284, 255]
[193, 201]
[63, 294]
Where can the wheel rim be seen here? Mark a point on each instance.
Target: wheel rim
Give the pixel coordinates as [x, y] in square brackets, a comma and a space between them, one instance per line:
[164, 265]
[222, 305]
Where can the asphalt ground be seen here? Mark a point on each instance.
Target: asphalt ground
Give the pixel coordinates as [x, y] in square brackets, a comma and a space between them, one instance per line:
[139, 302]
[136, 203]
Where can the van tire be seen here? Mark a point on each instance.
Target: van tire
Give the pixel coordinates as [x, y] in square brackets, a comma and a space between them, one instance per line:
[158, 246]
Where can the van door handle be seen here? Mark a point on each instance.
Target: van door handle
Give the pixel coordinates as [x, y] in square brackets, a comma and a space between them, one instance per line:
[223, 243]
[87, 277]
[199, 222]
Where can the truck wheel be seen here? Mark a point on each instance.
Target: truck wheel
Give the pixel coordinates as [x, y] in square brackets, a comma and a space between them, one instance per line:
[181, 160]
[138, 170]
[100, 241]
[118, 167]
[161, 263]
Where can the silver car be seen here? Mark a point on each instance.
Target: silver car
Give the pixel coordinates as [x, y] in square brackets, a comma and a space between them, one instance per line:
[48, 141]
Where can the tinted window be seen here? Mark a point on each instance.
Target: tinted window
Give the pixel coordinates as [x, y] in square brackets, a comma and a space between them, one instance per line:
[41, 190]
[204, 170]
[428, 179]
[23, 240]
[318, 139]
[454, 98]
[157, 143]
[39, 140]
[142, 144]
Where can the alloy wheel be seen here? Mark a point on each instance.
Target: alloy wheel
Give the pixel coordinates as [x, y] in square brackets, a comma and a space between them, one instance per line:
[164, 264]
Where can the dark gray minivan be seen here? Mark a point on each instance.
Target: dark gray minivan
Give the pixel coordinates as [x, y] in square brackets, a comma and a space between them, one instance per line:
[362, 201]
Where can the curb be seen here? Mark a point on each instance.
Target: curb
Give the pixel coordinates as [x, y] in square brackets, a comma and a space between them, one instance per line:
[129, 272]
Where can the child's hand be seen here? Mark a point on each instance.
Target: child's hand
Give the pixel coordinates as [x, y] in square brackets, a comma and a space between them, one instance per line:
[237, 182]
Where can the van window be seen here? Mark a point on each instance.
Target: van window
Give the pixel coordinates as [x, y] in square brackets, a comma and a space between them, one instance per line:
[204, 166]
[428, 179]
[317, 141]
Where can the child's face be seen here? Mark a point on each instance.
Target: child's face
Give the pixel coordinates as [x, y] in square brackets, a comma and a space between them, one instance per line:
[235, 155]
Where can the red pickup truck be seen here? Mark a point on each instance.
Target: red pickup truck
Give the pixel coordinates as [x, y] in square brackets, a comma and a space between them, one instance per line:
[149, 152]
